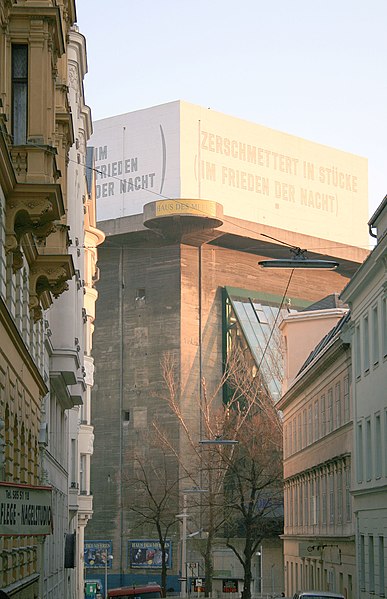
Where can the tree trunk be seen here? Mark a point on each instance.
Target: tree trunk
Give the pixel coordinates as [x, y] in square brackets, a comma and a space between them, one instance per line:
[248, 553]
[163, 565]
[163, 574]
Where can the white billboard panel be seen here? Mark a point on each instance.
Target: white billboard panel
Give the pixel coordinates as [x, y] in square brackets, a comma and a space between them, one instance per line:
[25, 510]
[180, 150]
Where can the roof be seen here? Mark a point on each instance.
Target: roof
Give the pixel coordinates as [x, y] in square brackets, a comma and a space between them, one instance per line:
[325, 341]
[330, 301]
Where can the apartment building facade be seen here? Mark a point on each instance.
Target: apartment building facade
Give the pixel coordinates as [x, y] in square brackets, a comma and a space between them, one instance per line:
[319, 541]
[366, 295]
[45, 312]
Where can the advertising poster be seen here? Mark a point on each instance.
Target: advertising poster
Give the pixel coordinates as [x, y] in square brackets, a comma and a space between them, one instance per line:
[230, 585]
[146, 553]
[96, 554]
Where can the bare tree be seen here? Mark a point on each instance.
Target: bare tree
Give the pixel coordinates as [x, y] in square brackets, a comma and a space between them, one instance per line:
[254, 489]
[156, 483]
[244, 415]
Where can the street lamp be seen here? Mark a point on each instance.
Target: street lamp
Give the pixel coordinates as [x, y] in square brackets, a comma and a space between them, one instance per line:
[108, 558]
[183, 517]
[259, 554]
[299, 260]
[218, 441]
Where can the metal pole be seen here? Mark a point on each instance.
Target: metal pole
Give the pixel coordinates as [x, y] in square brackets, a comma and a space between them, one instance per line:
[106, 560]
[108, 557]
[184, 549]
[261, 574]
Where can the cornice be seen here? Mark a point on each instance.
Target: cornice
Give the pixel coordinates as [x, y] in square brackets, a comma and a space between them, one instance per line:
[375, 262]
[50, 13]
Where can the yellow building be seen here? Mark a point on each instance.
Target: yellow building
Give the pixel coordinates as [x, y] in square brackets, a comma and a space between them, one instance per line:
[36, 133]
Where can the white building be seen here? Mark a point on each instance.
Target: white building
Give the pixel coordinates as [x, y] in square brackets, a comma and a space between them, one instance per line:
[366, 294]
[86, 237]
[67, 457]
[319, 547]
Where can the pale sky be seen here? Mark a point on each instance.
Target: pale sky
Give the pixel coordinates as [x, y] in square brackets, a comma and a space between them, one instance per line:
[312, 68]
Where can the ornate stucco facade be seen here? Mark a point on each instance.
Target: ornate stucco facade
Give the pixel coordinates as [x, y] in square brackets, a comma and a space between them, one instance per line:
[47, 273]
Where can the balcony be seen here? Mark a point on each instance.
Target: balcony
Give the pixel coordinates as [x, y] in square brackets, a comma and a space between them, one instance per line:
[85, 504]
[73, 496]
[48, 278]
[31, 210]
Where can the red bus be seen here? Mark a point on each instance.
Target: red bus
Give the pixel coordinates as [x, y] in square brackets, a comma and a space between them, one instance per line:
[149, 591]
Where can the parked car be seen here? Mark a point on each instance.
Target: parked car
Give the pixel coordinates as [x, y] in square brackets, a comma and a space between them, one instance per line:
[317, 595]
[150, 591]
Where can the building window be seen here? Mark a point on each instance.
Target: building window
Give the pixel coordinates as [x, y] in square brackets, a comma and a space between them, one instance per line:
[381, 567]
[305, 427]
[378, 447]
[330, 410]
[19, 93]
[310, 425]
[285, 441]
[294, 435]
[369, 472]
[339, 497]
[348, 503]
[290, 505]
[357, 352]
[299, 430]
[312, 514]
[371, 564]
[362, 563]
[338, 404]
[346, 399]
[359, 469]
[316, 421]
[306, 503]
[301, 504]
[73, 465]
[324, 499]
[82, 474]
[323, 416]
[140, 294]
[375, 336]
[317, 518]
[366, 344]
[331, 499]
